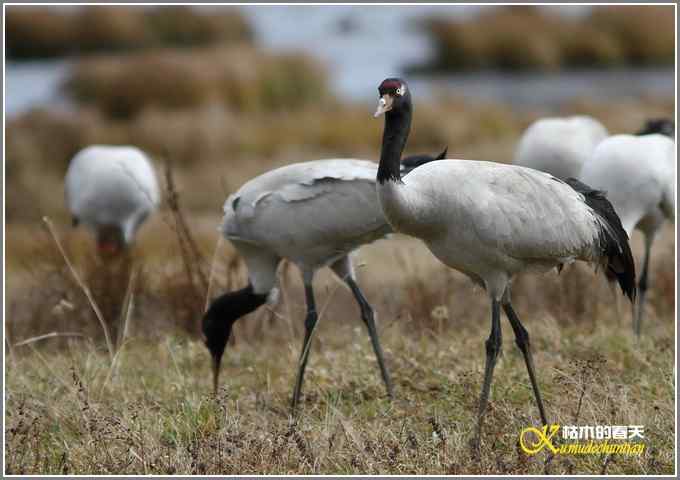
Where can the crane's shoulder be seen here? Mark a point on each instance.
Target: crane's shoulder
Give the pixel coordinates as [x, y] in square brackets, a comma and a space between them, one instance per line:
[301, 182]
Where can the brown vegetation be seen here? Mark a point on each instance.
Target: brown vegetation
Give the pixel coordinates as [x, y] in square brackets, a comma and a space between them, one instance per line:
[221, 116]
[42, 32]
[205, 144]
[528, 38]
[243, 80]
[71, 410]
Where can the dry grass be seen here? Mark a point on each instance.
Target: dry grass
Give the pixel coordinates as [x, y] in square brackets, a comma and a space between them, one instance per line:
[219, 149]
[70, 411]
[241, 79]
[528, 38]
[42, 32]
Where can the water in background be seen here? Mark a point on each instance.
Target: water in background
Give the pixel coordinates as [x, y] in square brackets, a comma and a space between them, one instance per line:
[361, 45]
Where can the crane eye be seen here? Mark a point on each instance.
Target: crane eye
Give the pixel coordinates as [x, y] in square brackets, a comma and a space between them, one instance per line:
[400, 91]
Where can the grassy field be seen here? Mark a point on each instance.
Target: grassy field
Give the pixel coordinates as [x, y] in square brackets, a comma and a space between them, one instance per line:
[196, 90]
[71, 410]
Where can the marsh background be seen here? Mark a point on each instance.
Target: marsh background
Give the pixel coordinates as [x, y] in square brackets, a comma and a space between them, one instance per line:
[219, 95]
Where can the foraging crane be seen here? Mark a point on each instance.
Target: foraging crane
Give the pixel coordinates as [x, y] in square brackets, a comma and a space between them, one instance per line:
[638, 174]
[562, 147]
[111, 190]
[492, 221]
[559, 145]
[314, 214]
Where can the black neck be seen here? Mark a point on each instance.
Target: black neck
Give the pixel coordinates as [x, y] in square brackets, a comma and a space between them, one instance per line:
[233, 305]
[397, 127]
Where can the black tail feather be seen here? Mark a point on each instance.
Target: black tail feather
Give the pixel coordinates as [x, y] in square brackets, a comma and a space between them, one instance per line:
[613, 239]
[413, 161]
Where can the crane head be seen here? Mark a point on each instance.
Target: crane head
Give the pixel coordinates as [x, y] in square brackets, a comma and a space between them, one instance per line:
[394, 96]
[110, 241]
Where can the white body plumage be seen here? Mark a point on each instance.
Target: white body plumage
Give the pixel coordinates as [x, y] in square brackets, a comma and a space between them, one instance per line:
[638, 174]
[492, 221]
[111, 187]
[559, 145]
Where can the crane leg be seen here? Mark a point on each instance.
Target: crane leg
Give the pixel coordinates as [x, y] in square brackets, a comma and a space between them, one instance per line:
[522, 339]
[310, 324]
[642, 287]
[493, 348]
[368, 317]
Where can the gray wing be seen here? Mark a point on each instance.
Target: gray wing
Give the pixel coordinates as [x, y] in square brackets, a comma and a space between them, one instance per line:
[314, 209]
[533, 215]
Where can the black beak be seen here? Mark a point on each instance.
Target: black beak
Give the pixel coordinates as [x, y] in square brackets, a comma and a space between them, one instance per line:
[216, 364]
[216, 335]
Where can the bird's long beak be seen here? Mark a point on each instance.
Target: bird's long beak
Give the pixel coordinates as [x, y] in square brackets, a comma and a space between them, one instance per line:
[216, 361]
[384, 105]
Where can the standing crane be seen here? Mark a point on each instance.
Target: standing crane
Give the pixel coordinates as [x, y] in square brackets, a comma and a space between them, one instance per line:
[559, 145]
[638, 174]
[492, 221]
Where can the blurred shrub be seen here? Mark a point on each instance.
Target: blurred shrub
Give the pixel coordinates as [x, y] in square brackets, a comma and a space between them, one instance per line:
[244, 80]
[586, 46]
[43, 32]
[185, 26]
[528, 38]
[52, 136]
[38, 32]
[220, 149]
[645, 33]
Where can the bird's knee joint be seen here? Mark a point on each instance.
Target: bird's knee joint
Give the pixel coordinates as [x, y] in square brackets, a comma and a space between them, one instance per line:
[642, 287]
[522, 339]
[493, 346]
[367, 315]
[310, 320]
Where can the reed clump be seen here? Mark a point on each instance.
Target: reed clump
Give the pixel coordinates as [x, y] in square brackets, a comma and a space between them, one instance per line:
[239, 79]
[518, 38]
[49, 32]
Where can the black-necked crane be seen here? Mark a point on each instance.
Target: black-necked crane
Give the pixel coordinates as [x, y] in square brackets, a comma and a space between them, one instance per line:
[492, 221]
[559, 145]
[638, 174]
[313, 214]
[111, 190]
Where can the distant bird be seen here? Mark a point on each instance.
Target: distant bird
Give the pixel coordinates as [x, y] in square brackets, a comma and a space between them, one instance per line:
[314, 214]
[111, 190]
[559, 145]
[638, 174]
[492, 221]
[664, 126]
